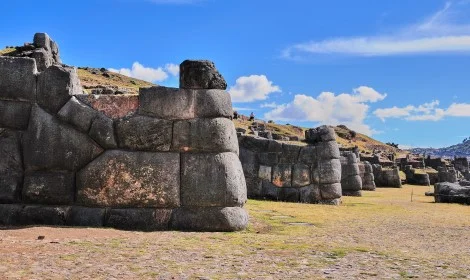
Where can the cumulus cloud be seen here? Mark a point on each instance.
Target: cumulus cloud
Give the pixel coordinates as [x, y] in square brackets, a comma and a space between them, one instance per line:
[440, 32]
[252, 88]
[330, 109]
[269, 105]
[173, 69]
[424, 112]
[148, 74]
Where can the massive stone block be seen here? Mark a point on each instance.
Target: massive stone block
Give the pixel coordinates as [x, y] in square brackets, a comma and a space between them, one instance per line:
[329, 171]
[43, 59]
[310, 194]
[130, 179]
[209, 218]
[112, 106]
[200, 74]
[327, 150]
[11, 162]
[301, 175]
[308, 155]
[250, 162]
[78, 114]
[289, 194]
[10, 214]
[212, 180]
[50, 145]
[144, 133]
[282, 175]
[330, 191]
[56, 85]
[10, 188]
[290, 154]
[43, 215]
[183, 104]
[17, 78]
[14, 114]
[56, 188]
[102, 131]
[139, 219]
[205, 135]
[447, 192]
[86, 217]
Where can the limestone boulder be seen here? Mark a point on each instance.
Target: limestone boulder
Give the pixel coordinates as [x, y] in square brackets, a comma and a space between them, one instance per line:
[130, 179]
[78, 114]
[209, 219]
[102, 131]
[17, 78]
[56, 188]
[200, 74]
[205, 135]
[56, 85]
[139, 219]
[48, 144]
[212, 180]
[144, 133]
[14, 114]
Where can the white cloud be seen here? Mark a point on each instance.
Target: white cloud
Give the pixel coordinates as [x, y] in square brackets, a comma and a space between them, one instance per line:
[252, 88]
[328, 108]
[148, 74]
[441, 32]
[424, 112]
[173, 69]
[269, 105]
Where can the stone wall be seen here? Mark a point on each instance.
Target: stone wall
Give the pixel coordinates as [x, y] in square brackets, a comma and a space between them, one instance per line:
[367, 176]
[286, 172]
[447, 174]
[386, 177]
[170, 164]
[414, 178]
[351, 182]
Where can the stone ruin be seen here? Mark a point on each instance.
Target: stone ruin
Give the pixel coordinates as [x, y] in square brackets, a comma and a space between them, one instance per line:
[387, 177]
[447, 192]
[287, 172]
[367, 176]
[170, 163]
[351, 182]
[413, 177]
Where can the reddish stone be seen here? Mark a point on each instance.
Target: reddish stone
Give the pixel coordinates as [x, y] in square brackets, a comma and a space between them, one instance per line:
[113, 106]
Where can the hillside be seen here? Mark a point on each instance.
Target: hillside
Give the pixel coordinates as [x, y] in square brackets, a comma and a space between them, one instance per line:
[458, 150]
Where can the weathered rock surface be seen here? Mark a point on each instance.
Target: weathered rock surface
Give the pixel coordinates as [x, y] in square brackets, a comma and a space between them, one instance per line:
[43, 215]
[183, 104]
[86, 217]
[282, 175]
[209, 219]
[447, 192]
[56, 188]
[223, 172]
[112, 106]
[139, 219]
[351, 181]
[130, 179]
[78, 114]
[10, 188]
[11, 162]
[102, 131]
[56, 85]
[205, 135]
[200, 74]
[14, 114]
[18, 78]
[143, 133]
[50, 145]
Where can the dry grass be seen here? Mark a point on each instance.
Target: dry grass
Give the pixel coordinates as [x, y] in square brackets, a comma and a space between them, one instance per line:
[380, 235]
[7, 51]
[89, 80]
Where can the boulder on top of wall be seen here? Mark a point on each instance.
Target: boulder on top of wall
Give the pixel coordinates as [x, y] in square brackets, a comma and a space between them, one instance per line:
[17, 78]
[49, 188]
[130, 179]
[14, 114]
[322, 133]
[102, 131]
[50, 145]
[56, 85]
[209, 219]
[200, 74]
[44, 59]
[144, 133]
[78, 114]
[212, 180]
[183, 104]
[205, 135]
[42, 40]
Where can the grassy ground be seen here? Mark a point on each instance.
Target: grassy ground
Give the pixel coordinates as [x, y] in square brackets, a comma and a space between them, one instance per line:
[380, 235]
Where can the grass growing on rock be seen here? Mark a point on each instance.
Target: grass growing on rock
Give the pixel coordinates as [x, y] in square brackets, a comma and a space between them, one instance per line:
[382, 234]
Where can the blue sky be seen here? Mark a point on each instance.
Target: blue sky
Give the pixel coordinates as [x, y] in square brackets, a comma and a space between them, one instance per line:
[396, 70]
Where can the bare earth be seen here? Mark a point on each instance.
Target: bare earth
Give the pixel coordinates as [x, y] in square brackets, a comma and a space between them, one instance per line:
[382, 235]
